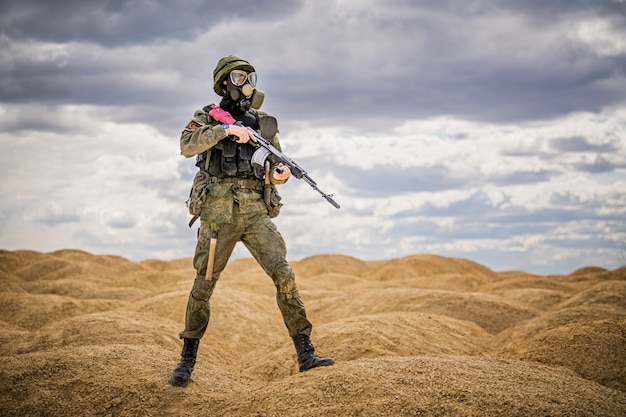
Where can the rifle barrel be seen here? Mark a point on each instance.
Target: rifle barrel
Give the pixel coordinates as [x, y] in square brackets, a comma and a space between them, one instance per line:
[296, 169]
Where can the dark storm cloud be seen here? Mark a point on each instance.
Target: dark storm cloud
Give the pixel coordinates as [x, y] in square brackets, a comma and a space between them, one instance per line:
[599, 165]
[126, 22]
[525, 177]
[432, 232]
[581, 144]
[463, 59]
[387, 180]
[559, 8]
[477, 205]
[549, 9]
[568, 201]
[366, 67]
[122, 223]
[56, 218]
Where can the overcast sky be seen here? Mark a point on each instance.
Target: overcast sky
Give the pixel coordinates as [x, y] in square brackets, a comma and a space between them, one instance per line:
[487, 130]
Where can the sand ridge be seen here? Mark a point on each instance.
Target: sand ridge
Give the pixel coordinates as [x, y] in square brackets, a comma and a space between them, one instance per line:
[84, 334]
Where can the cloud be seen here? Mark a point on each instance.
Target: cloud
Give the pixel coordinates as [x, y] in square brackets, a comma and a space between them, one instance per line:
[114, 23]
[125, 190]
[420, 61]
[580, 144]
[457, 128]
[385, 181]
[502, 187]
[106, 180]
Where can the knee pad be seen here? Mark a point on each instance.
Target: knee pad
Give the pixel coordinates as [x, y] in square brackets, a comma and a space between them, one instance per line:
[202, 289]
[285, 279]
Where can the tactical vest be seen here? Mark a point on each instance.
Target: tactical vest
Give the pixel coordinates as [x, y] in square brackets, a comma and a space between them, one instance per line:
[229, 158]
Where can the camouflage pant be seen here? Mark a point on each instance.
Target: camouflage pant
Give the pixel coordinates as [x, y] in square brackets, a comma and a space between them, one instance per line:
[262, 238]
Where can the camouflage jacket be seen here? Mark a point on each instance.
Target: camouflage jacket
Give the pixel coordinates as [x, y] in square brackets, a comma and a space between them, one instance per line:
[202, 134]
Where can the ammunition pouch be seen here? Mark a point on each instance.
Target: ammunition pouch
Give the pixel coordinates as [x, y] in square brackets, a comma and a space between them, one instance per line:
[195, 202]
[228, 159]
[273, 202]
[218, 205]
[270, 194]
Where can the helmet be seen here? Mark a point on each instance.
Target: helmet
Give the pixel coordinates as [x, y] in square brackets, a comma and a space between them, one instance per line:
[224, 67]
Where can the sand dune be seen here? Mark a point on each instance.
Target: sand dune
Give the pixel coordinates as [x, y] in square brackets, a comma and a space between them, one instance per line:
[82, 334]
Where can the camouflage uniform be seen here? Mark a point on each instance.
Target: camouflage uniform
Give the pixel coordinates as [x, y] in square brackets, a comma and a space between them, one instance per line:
[236, 208]
[233, 204]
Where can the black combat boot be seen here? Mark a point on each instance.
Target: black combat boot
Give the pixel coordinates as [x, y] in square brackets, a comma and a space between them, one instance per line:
[307, 359]
[182, 372]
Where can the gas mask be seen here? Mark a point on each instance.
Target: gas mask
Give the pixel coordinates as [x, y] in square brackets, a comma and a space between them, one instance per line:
[240, 88]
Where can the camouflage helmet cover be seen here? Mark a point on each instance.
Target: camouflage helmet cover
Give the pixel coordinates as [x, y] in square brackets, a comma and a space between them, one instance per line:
[224, 67]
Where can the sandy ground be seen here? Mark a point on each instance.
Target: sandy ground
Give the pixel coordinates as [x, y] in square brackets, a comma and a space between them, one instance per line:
[86, 335]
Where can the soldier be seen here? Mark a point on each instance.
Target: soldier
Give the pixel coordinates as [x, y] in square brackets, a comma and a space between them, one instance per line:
[237, 200]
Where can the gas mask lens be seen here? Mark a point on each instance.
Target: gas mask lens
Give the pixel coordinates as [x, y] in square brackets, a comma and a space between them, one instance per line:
[239, 77]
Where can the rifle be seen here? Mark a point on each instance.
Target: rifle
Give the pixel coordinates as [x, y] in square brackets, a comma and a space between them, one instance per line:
[265, 149]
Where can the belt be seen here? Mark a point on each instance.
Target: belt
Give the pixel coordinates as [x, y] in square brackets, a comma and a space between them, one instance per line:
[248, 183]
